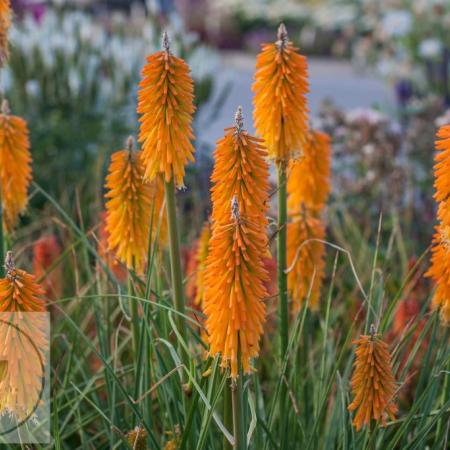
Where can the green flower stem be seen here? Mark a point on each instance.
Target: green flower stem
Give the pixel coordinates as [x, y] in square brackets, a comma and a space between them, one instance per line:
[175, 265]
[282, 293]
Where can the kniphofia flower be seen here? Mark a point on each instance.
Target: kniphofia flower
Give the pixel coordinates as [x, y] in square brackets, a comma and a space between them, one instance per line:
[440, 272]
[46, 252]
[133, 205]
[240, 170]
[281, 107]
[166, 106]
[235, 290]
[5, 23]
[306, 263]
[373, 384]
[309, 175]
[15, 166]
[24, 341]
[196, 267]
[106, 256]
[440, 259]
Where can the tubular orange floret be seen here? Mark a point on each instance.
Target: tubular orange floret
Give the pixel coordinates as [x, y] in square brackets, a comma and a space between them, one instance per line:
[240, 170]
[373, 384]
[235, 292]
[166, 105]
[46, 251]
[281, 107]
[129, 208]
[196, 284]
[306, 263]
[440, 272]
[5, 23]
[15, 166]
[440, 259]
[309, 176]
[24, 341]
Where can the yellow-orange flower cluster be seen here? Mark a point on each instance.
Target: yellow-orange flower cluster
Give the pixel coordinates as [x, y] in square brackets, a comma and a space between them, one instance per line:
[281, 107]
[235, 276]
[235, 292]
[440, 259]
[309, 176]
[5, 23]
[130, 206]
[24, 341]
[305, 254]
[46, 251]
[166, 105]
[15, 166]
[240, 170]
[196, 268]
[373, 384]
[308, 190]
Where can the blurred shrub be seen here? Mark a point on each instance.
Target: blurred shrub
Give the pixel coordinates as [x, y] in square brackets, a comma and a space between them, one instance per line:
[74, 78]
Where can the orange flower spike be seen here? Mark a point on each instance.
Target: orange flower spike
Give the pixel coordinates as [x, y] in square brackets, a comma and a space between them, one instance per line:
[442, 173]
[196, 284]
[440, 272]
[21, 383]
[373, 384]
[45, 253]
[240, 170]
[281, 106]
[309, 177]
[166, 106]
[5, 24]
[306, 263]
[131, 202]
[15, 166]
[235, 290]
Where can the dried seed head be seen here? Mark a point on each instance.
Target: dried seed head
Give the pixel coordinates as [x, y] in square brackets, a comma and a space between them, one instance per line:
[130, 143]
[282, 36]
[239, 119]
[235, 209]
[10, 265]
[5, 107]
[165, 42]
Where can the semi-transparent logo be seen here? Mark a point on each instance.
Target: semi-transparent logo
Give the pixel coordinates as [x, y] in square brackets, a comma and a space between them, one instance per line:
[24, 378]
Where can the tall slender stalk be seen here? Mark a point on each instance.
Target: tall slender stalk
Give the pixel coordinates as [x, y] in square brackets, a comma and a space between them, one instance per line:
[282, 293]
[240, 439]
[175, 263]
[227, 416]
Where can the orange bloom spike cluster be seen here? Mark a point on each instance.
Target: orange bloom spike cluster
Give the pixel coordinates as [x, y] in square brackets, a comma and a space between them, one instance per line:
[309, 177]
[281, 107]
[240, 170]
[108, 257]
[306, 257]
[46, 251]
[5, 23]
[308, 190]
[196, 268]
[235, 292]
[15, 166]
[21, 383]
[440, 259]
[129, 208]
[166, 105]
[373, 384]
